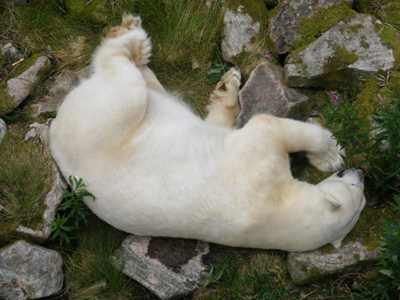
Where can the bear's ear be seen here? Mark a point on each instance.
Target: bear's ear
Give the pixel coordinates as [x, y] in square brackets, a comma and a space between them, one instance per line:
[335, 202]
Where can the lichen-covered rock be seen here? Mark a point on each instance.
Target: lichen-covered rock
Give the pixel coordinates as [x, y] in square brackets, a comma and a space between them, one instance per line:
[16, 89]
[10, 51]
[29, 272]
[266, 92]
[347, 53]
[170, 268]
[42, 232]
[283, 27]
[3, 129]
[311, 266]
[359, 249]
[242, 32]
[63, 84]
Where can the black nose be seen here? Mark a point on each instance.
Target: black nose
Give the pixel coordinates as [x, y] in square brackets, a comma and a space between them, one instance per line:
[341, 173]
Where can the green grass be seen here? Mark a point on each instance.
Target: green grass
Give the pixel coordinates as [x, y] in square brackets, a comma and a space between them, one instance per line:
[25, 180]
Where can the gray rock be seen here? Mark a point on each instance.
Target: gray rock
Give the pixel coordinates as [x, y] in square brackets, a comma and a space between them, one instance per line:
[16, 2]
[20, 87]
[42, 232]
[170, 268]
[283, 28]
[237, 33]
[10, 51]
[266, 92]
[312, 266]
[29, 272]
[341, 57]
[63, 84]
[3, 129]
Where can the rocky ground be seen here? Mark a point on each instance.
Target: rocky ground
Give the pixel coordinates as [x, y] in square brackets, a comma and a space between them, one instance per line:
[293, 55]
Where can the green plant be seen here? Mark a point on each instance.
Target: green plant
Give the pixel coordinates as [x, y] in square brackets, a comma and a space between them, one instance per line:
[74, 212]
[385, 284]
[215, 74]
[380, 151]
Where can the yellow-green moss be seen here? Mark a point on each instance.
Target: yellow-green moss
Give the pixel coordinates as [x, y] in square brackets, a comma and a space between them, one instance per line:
[6, 101]
[312, 275]
[390, 37]
[357, 256]
[319, 22]
[96, 11]
[355, 28]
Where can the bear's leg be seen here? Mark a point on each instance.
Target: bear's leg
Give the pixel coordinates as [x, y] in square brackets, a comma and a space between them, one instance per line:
[151, 80]
[224, 105]
[321, 148]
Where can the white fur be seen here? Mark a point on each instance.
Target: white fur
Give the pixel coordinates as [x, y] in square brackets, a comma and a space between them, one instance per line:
[157, 169]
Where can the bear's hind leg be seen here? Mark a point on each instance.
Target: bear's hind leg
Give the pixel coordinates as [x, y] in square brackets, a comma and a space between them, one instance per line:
[224, 106]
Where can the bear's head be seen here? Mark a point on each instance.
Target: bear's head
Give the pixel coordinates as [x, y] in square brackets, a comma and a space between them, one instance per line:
[345, 200]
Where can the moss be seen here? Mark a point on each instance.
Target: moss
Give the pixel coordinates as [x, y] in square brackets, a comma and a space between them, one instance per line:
[355, 28]
[97, 11]
[390, 37]
[319, 22]
[311, 275]
[364, 43]
[387, 11]
[357, 256]
[256, 9]
[7, 103]
[368, 228]
[335, 73]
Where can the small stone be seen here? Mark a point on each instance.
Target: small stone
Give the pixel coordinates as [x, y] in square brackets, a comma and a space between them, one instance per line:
[10, 51]
[29, 272]
[3, 129]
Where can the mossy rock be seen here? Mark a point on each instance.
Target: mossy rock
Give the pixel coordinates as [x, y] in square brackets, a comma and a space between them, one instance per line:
[96, 11]
[246, 49]
[22, 82]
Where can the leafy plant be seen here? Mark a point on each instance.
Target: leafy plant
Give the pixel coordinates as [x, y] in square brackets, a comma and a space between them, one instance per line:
[381, 150]
[386, 283]
[215, 74]
[74, 212]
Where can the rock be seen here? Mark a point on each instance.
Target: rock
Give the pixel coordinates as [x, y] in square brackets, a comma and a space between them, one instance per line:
[16, 2]
[283, 28]
[341, 57]
[309, 267]
[265, 92]
[29, 272]
[359, 249]
[3, 129]
[241, 42]
[42, 232]
[10, 51]
[170, 268]
[18, 88]
[64, 83]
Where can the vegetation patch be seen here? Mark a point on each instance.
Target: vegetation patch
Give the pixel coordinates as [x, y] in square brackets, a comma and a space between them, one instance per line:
[25, 179]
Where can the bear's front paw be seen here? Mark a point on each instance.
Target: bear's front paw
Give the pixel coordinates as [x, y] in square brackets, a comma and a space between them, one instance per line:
[329, 157]
[229, 83]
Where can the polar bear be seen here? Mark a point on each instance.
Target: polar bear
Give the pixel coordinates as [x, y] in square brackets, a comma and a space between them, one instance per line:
[157, 169]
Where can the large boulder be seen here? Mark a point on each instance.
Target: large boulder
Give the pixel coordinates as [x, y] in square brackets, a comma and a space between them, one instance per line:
[170, 268]
[285, 22]
[266, 92]
[242, 33]
[344, 55]
[29, 272]
[18, 88]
